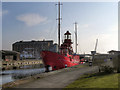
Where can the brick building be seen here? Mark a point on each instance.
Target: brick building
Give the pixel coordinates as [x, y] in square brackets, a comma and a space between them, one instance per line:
[32, 49]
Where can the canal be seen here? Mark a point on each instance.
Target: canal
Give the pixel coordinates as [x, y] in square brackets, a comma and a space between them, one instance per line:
[12, 75]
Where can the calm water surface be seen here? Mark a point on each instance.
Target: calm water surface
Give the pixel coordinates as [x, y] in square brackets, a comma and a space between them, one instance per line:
[12, 75]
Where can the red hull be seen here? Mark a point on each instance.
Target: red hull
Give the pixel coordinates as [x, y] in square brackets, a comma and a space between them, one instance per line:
[58, 61]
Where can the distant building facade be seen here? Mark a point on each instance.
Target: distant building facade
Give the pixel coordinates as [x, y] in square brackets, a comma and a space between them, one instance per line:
[32, 49]
[8, 55]
[115, 56]
[113, 52]
[101, 56]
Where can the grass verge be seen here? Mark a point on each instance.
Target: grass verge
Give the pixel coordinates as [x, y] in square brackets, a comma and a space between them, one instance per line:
[96, 80]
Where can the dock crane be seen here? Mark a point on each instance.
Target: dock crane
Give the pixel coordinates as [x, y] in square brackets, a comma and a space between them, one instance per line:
[96, 45]
[93, 53]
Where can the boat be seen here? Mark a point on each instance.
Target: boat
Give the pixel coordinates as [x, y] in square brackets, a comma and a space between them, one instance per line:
[65, 57]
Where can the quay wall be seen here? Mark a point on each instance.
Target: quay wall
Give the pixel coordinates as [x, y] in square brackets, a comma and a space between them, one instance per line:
[14, 64]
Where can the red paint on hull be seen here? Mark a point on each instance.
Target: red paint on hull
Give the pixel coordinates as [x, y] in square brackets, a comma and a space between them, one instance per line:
[58, 61]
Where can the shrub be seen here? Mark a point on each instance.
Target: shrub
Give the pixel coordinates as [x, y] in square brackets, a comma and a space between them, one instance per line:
[107, 69]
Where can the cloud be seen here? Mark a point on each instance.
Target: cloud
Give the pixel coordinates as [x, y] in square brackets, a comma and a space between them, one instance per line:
[3, 12]
[31, 19]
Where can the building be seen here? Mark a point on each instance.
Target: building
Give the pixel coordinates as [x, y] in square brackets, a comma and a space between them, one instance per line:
[8, 55]
[54, 48]
[32, 49]
[115, 57]
[113, 52]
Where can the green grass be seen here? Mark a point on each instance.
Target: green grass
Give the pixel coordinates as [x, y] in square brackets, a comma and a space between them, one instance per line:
[95, 81]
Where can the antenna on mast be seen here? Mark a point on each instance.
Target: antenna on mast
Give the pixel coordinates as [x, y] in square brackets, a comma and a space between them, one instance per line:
[59, 18]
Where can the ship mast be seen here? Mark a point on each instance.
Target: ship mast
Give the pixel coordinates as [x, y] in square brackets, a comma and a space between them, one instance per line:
[59, 19]
[76, 37]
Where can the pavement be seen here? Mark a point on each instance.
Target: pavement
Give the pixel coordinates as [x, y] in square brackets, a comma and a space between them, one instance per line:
[60, 79]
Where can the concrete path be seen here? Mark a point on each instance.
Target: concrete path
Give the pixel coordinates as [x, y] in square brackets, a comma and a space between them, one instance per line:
[59, 80]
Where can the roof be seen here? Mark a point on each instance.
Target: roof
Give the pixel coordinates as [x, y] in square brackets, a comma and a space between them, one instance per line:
[33, 41]
[67, 33]
[113, 51]
[8, 52]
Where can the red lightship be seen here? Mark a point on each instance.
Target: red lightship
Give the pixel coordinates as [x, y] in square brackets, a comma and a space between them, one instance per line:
[64, 57]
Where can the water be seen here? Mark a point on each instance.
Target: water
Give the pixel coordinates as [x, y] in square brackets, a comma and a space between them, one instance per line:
[12, 75]
[5, 79]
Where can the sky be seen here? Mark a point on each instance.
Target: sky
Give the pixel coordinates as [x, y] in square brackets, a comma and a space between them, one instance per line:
[37, 21]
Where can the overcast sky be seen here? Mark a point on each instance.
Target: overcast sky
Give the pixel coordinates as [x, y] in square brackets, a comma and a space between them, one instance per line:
[37, 21]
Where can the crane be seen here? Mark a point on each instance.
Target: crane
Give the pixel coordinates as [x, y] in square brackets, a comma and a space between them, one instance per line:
[93, 53]
[96, 45]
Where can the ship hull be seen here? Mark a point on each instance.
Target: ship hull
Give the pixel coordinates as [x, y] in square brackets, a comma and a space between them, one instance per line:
[57, 61]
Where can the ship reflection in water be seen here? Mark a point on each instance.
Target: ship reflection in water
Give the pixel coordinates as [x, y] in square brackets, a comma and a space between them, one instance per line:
[12, 75]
